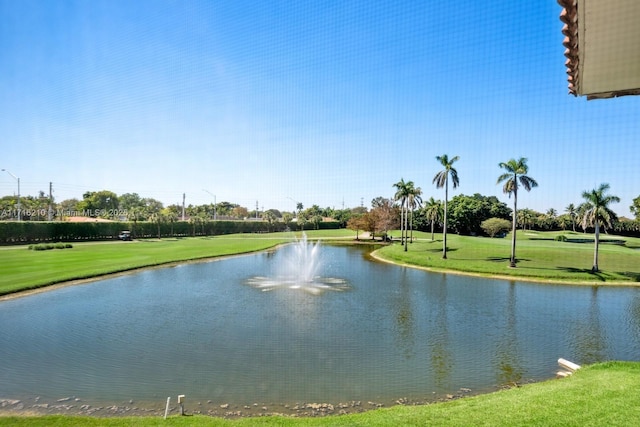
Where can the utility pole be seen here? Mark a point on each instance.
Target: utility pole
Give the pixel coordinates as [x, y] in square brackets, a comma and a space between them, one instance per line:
[183, 197]
[50, 216]
[256, 209]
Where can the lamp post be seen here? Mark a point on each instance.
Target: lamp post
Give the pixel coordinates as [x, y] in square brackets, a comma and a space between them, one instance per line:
[214, 202]
[296, 202]
[17, 179]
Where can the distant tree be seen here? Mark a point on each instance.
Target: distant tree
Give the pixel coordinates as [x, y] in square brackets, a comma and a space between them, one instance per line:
[563, 220]
[635, 208]
[342, 216]
[597, 213]
[94, 203]
[269, 217]
[68, 207]
[358, 210]
[494, 226]
[413, 202]
[466, 213]
[276, 213]
[434, 212]
[225, 209]
[158, 219]
[549, 219]
[515, 175]
[402, 196]
[239, 212]
[356, 224]
[527, 217]
[442, 180]
[287, 218]
[171, 216]
[302, 219]
[129, 201]
[573, 213]
[385, 215]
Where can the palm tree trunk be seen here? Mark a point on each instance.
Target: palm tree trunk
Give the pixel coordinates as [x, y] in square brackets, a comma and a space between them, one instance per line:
[594, 269]
[512, 262]
[444, 229]
[406, 228]
[432, 223]
[402, 224]
[411, 226]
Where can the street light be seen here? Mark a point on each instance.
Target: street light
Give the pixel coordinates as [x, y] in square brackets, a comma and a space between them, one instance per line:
[17, 179]
[296, 202]
[214, 202]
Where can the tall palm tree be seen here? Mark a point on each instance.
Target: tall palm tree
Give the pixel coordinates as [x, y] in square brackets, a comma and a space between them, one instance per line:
[402, 195]
[515, 175]
[433, 212]
[413, 201]
[597, 213]
[442, 180]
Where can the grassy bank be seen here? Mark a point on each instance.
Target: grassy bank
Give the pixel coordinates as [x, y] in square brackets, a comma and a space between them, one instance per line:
[24, 269]
[539, 256]
[602, 394]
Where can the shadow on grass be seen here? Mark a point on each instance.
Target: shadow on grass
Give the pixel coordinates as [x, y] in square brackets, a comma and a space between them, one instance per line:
[505, 259]
[635, 277]
[599, 275]
[437, 250]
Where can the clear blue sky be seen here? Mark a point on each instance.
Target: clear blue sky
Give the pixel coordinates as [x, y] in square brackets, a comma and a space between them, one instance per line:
[320, 102]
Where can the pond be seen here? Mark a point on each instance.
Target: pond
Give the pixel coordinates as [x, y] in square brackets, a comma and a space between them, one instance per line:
[383, 333]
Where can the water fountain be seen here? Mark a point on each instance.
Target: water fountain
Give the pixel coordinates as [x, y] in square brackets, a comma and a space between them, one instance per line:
[300, 270]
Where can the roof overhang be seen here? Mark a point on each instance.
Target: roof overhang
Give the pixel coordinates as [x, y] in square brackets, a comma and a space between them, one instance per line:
[602, 40]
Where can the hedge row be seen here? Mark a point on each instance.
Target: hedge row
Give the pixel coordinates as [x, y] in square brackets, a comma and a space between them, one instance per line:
[14, 232]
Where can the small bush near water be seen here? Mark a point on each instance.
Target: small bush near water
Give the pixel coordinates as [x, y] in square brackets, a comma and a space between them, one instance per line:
[47, 246]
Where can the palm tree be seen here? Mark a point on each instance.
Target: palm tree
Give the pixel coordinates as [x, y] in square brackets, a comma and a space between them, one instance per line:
[598, 212]
[516, 172]
[402, 195]
[573, 213]
[551, 218]
[433, 212]
[442, 180]
[413, 201]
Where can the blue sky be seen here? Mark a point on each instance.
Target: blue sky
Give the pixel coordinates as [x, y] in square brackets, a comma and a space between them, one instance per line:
[326, 103]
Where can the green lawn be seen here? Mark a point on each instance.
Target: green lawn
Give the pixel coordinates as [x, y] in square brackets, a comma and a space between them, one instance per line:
[605, 394]
[539, 256]
[26, 269]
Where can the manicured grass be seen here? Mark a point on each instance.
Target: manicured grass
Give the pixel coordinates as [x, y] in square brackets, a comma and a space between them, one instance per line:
[605, 394]
[25, 269]
[538, 254]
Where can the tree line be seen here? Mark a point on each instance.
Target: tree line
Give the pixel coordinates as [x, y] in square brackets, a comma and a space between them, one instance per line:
[479, 214]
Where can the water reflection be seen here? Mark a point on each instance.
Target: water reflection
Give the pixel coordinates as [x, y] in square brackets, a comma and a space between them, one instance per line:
[508, 360]
[588, 338]
[404, 316]
[438, 338]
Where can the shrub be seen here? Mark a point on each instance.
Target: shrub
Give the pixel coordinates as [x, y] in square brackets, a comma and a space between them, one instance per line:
[561, 238]
[494, 226]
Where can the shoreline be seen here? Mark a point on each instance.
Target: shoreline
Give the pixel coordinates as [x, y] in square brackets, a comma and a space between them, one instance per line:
[360, 241]
[542, 281]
